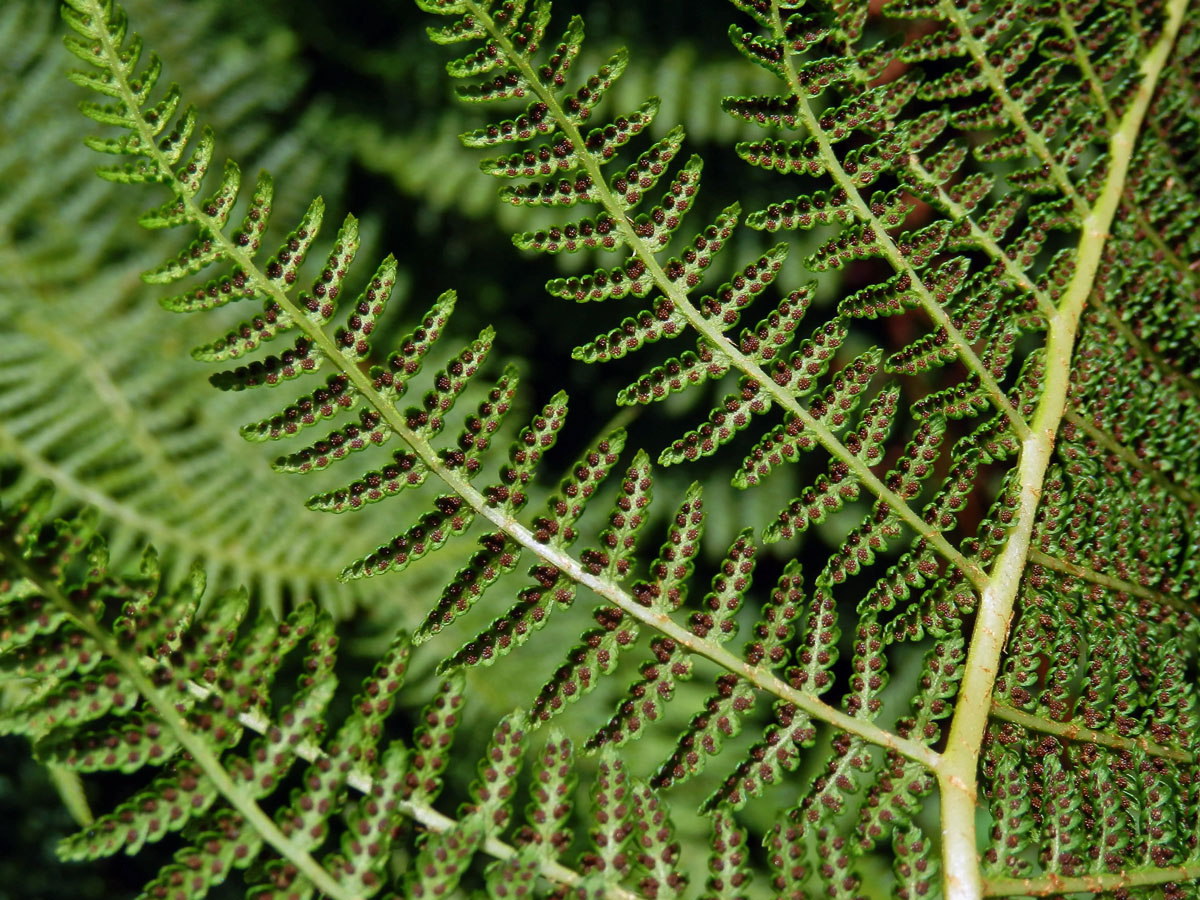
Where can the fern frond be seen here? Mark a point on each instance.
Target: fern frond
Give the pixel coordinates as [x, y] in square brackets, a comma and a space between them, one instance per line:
[984, 184]
[673, 280]
[271, 281]
[556, 573]
[1071, 171]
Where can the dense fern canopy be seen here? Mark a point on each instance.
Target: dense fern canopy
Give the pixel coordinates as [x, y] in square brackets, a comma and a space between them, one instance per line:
[891, 570]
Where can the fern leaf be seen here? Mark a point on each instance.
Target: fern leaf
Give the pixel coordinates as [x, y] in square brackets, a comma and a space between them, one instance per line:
[787, 858]
[727, 863]
[1084, 572]
[492, 791]
[432, 741]
[612, 800]
[443, 860]
[657, 851]
[916, 866]
[550, 804]
[676, 374]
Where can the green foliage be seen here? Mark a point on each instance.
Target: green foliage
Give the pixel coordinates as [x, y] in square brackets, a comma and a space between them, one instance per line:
[974, 622]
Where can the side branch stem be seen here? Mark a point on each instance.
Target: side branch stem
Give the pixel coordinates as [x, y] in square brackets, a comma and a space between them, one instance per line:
[199, 749]
[1108, 581]
[1171, 374]
[1074, 732]
[426, 815]
[891, 252]
[1014, 110]
[1180, 492]
[1053, 885]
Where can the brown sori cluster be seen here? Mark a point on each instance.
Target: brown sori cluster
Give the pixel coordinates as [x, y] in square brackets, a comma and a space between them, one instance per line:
[614, 556]
[676, 374]
[631, 184]
[728, 862]
[661, 320]
[271, 370]
[432, 741]
[775, 332]
[369, 431]
[611, 813]
[563, 510]
[499, 555]
[653, 842]
[405, 471]
[799, 157]
[478, 430]
[451, 517]
[727, 302]
[587, 662]
[705, 734]
[534, 440]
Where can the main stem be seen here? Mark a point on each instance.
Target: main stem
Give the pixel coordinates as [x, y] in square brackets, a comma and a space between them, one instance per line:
[957, 772]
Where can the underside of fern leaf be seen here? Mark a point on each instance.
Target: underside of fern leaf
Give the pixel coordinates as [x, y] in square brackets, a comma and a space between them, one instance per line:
[1017, 183]
[1007, 168]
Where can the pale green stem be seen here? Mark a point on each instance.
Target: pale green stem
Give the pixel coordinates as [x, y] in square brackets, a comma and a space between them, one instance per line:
[1050, 885]
[760, 676]
[1084, 62]
[1067, 23]
[1036, 143]
[1072, 731]
[957, 773]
